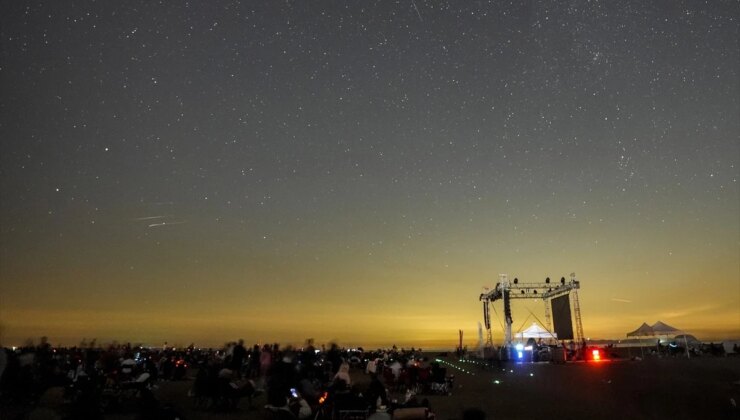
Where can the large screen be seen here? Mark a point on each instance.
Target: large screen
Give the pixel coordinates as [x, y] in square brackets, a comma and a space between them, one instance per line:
[561, 317]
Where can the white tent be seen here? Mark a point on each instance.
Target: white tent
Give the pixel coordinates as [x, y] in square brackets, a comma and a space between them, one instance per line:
[535, 331]
[645, 330]
[661, 328]
[657, 330]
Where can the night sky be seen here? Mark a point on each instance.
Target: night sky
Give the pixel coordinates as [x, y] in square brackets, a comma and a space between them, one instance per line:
[360, 170]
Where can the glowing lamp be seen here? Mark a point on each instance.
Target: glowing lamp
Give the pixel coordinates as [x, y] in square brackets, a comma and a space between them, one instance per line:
[519, 346]
[596, 354]
[520, 354]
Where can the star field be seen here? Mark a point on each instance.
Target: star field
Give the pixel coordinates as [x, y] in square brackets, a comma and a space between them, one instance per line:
[187, 169]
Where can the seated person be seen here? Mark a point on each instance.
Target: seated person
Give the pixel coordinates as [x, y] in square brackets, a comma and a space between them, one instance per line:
[350, 401]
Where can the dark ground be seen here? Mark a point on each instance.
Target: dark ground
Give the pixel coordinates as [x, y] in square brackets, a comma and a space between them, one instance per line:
[670, 388]
[653, 388]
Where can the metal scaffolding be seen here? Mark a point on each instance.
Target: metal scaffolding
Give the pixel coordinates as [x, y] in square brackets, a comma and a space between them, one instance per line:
[506, 290]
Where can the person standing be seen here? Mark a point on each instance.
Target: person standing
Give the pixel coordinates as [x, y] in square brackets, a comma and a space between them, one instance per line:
[254, 362]
[239, 353]
[265, 361]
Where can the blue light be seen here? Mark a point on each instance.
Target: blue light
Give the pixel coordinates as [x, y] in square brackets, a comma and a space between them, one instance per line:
[519, 346]
[520, 354]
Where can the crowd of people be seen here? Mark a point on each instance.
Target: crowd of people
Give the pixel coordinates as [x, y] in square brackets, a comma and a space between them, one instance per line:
[316, 383]
[323, 383]
[677, 348]
[297, 383]
[93, 379]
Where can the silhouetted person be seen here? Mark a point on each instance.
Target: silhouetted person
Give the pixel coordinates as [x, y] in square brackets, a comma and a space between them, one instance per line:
[265, 360]
[239, 353]
[334, 357]
[280, 378]
[254, 362]
[376, 390]
[351, 400]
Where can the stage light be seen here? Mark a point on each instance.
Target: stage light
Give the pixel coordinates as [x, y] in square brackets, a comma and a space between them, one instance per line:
[519, 347]
[596, 354]
[520, 354]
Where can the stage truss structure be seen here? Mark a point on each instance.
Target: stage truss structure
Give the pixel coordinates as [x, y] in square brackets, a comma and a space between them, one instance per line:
[507, 290]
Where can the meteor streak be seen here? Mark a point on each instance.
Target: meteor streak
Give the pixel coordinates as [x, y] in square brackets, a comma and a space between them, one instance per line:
[149, 218]
[165, 224]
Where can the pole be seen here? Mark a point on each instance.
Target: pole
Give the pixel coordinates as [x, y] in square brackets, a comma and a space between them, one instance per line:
[688, 355]
[460, 346]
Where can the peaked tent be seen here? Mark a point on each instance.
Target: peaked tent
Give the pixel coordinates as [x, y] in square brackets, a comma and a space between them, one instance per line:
[658, 329]
[535, 331]
[645, 330]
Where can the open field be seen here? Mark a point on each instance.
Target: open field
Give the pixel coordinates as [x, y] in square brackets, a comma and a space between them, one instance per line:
[654, 388]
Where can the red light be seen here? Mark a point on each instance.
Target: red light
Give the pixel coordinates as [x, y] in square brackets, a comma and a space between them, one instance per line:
[596, 354]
